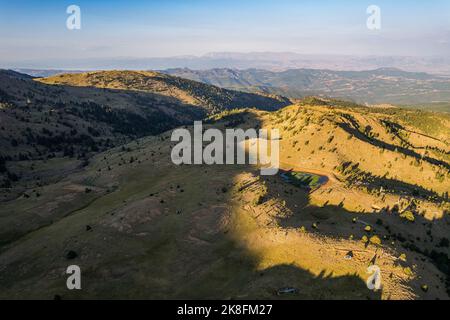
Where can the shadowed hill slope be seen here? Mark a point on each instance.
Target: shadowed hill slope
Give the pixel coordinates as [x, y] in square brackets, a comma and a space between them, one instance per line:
[38, 120]
[76, 114]
[211, 98]
[141, 227]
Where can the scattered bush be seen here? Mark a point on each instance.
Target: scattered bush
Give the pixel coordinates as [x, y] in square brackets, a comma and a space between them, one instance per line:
[408, 215]
[375, 240]
[407, 271]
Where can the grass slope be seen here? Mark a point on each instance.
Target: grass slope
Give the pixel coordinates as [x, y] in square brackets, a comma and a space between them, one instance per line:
[144, 228]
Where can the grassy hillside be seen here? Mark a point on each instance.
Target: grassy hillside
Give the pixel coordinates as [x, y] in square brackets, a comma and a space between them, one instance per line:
[141, 227]
[211, 98]
[37, 116]
[69, 117]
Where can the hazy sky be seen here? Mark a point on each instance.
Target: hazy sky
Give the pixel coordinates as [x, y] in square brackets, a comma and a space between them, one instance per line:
[36, 30]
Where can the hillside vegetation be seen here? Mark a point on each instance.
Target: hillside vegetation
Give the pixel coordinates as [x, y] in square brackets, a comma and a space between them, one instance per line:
[67, 118]
[209, 97]
[377, 182]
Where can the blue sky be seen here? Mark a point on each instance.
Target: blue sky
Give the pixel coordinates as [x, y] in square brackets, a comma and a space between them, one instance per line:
[34, 30]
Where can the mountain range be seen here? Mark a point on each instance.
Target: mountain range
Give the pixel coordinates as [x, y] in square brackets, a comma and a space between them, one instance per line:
[274, 61]
[380, 86]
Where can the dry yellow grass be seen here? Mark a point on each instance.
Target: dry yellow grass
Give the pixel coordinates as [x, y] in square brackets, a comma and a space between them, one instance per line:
[162, 231]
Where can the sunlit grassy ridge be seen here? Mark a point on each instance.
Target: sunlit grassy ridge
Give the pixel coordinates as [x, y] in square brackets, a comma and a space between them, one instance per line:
[211, 98]
[77, 115]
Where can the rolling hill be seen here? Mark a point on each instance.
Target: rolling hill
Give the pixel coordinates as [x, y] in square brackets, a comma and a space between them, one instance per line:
[371, 188]
[42, 115]
[73, 116]
[384, 85]
[211, 98]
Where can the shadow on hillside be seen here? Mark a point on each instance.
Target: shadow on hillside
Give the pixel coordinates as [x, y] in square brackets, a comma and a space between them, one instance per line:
[381, 144]
[152, 113]
[324, 286]
[336, 222]
[285, 281]
[374, 183]
[188, 258]
[268, 282]
[192, 261]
